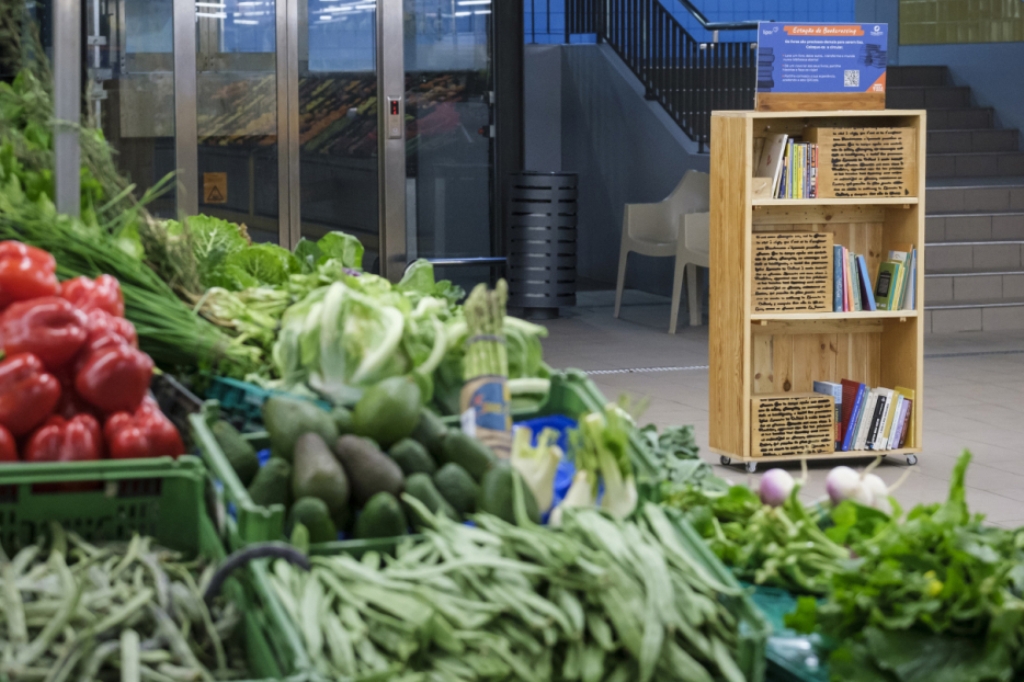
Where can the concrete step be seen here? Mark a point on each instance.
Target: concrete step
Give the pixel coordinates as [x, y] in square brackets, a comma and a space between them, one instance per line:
[947, 288]
[960, 119]
[898, 76]
[976, 256]
[974, 199]
[974, 227]
[932, 97]
[968, 140]
[975, 164]
[992, 315]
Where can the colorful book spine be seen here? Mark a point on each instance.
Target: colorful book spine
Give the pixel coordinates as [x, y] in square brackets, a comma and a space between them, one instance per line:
[836, 391]
[837, 279]
[855, 414]
[852, 283]
[867, 417]
[867, 292]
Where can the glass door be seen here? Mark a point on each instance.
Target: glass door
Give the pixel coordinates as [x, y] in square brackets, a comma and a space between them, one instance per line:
[449, 155]
[338, 118]
[237, 117]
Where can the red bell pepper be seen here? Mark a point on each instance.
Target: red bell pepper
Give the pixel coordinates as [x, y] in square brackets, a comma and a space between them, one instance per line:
[102, 293]
[66, 440]
[27, 393]
[146, 433]
[50, 328]
[113, 376]
[102, 323]
[26, 273]
[8, 448]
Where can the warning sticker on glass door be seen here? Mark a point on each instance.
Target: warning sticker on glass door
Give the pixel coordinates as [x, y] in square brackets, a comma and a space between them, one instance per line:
[215, 188]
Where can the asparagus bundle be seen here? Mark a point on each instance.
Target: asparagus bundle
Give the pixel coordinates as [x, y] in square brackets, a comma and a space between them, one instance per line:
[486, 354]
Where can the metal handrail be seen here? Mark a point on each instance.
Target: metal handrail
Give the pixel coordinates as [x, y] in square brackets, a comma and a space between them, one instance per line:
[689, 78]
[716, 25]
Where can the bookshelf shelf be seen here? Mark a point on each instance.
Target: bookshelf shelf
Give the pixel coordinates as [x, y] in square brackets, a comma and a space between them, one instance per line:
[833, 317]
[757, 355]
[837, 201]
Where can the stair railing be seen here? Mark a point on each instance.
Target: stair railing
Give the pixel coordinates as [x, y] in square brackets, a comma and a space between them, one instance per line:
[690, 79]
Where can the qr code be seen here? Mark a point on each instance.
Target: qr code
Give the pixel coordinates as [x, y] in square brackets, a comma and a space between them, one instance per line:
[851, 78]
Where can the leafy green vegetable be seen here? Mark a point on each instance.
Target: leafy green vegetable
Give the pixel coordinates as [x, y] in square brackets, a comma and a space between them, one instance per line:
[936, 596]
[342, 247]
[266, 263]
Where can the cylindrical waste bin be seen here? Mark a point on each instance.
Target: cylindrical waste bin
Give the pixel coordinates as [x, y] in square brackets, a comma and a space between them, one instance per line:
[541, 244]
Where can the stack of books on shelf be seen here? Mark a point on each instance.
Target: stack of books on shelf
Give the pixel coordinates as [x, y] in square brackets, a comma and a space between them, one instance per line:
[791, 165]
[895, 287]
[897, 280]
[869, 418]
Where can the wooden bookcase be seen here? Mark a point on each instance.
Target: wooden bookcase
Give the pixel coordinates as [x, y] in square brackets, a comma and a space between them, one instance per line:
[755, 355]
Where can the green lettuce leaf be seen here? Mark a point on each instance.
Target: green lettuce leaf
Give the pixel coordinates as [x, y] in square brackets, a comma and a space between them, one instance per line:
[267, 263]
[342, 247]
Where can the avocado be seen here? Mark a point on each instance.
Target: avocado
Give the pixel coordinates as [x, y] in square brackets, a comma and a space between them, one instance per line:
[458, 487]
[388, 411]
[342, 417]
[287, 418]
[314, 514]
[466, 451]
[422, 488]
[317, 473]
[240, 453]
[412, 457]
[382, 517]
[272, 483]
[497, 494]
[429, 432]
[369, 470]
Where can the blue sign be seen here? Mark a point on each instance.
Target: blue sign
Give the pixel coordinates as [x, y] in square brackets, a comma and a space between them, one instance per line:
[821, 57]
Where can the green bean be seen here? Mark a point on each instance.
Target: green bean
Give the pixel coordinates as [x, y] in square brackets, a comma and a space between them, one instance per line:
[130, 656]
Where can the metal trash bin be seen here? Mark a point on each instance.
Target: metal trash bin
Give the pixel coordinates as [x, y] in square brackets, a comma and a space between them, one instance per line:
[541, 216]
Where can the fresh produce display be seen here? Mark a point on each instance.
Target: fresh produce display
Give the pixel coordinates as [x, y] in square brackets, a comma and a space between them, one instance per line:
[599, 600]
[935, 595]
[130, 611]
[73, 383]
[340, 472]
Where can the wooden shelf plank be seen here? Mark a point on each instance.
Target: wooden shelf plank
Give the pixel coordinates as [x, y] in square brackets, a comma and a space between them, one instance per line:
[836, 201]
[833, 317]
[851, 454]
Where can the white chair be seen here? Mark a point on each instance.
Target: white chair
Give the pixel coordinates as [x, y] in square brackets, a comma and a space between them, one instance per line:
[679, 226]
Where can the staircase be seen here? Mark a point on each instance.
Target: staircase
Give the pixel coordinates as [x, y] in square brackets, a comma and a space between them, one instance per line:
[974, 258]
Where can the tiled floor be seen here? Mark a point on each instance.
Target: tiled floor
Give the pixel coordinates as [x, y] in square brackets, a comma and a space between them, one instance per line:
[974, 396]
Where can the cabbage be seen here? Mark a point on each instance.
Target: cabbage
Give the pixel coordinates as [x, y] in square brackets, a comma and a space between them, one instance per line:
[347, 336]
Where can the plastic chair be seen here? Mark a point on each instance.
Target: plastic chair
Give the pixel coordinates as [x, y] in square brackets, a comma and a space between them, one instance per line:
[679, 226]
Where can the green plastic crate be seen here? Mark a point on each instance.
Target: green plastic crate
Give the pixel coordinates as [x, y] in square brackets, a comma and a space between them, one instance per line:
[160, 497]
[571, 394]
[792, 657]
[242, 401]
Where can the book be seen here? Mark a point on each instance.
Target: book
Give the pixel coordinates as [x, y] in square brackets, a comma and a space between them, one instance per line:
[876, 419]
[909, 298]
[885, 285]
[891, 421]
[867, 295]
[836, 391]
[905, 431]
[867, 417]
[783, 191]
[769, 163]
[908, 437]
[837, 280]
[857, 393]
[878, 442]
[897, 422]
[851, 282]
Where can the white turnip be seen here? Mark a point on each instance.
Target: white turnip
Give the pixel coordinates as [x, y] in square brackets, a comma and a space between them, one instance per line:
[776, 487]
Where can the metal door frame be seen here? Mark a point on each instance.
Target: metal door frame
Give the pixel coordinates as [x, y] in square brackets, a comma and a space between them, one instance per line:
[391, 150]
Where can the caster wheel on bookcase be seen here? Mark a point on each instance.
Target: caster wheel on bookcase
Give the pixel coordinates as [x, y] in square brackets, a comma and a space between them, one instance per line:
[911, 460]
[726, 461]
[751, 467]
